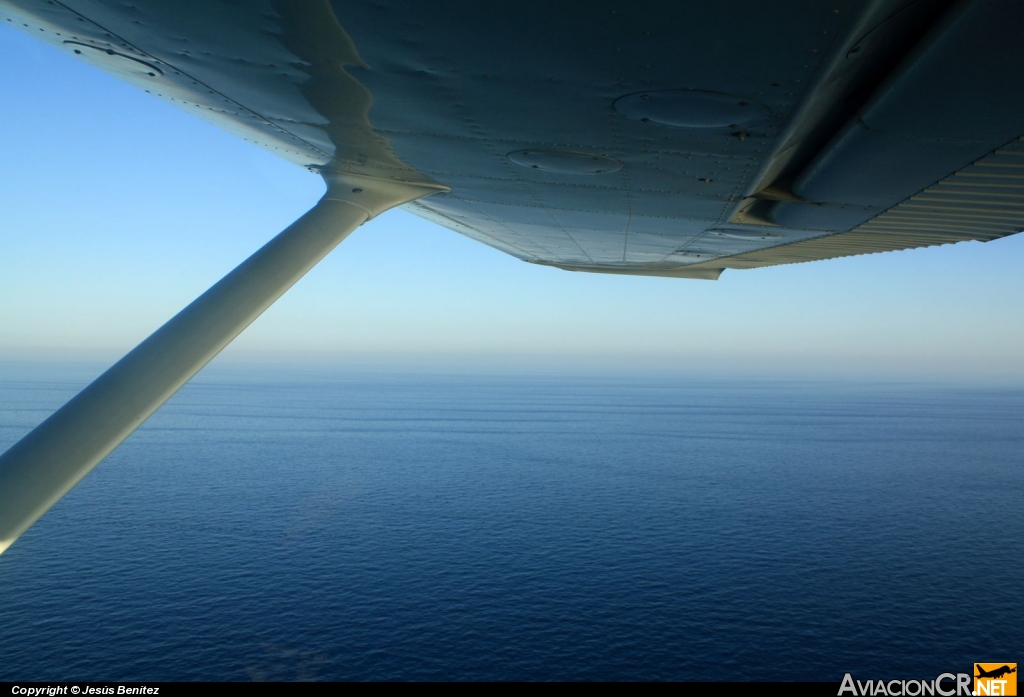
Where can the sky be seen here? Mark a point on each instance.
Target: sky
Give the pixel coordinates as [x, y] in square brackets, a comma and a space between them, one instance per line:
[117, 210]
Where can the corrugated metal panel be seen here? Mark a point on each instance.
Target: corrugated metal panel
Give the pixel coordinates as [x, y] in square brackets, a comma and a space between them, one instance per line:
[984, 202]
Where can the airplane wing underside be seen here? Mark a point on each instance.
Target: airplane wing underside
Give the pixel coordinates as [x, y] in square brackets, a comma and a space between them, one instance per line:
[673, 139]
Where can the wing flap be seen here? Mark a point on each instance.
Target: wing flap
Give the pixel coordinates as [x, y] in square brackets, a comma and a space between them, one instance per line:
[982, 202]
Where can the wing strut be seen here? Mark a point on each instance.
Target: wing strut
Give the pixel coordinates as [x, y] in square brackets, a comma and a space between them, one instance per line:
[44, 465]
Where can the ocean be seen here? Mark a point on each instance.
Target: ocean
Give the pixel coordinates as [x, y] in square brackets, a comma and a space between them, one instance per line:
[309, 524]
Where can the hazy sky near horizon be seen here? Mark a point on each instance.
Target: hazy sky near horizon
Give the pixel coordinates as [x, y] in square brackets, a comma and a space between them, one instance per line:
[117, 209]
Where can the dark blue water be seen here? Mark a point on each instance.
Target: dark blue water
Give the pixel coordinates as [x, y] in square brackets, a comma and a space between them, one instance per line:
[324, 526]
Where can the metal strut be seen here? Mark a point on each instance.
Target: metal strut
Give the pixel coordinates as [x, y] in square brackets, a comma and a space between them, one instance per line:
[44, 465]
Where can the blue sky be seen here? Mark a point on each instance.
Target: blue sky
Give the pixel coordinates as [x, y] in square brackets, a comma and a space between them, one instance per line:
[117, 210]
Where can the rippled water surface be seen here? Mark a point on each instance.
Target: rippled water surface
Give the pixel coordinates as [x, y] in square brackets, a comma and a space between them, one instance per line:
[273, 525]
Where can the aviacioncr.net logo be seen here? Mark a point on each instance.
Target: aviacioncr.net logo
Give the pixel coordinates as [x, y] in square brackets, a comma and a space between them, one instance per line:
[946, 685]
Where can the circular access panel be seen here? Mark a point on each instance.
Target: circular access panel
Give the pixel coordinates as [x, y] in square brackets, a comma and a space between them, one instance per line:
[691, 109]
[565, 161]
